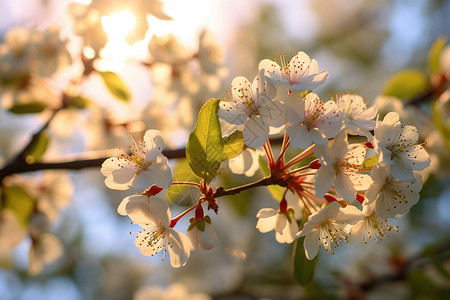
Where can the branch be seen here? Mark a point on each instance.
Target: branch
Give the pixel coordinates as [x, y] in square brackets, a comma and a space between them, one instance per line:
[19, 165]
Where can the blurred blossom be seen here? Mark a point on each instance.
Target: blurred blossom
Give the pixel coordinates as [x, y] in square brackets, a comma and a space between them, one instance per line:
[46, 249]
[175, 291]
[27, 59]
[11, 233]
[54, 193]
[246, 163]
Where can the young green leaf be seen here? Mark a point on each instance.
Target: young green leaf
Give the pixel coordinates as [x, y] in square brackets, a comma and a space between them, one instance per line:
[20, 202]
[370, 162]
[406, 84]
[233, 144]
[28, 108]
[303, 267]
[434, 54]
[116, 86]
[38, 148]
[204, 149]
[180, 193]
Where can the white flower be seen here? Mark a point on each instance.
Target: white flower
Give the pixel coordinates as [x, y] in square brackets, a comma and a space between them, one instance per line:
[393, 197]
[358, 119]
[246, 163]
[310, 120]
[252, 104]
[145, 167]
[328, 226]
[301, 73]
[397, 145]
[201, 233]
[284, 224]
[371, 226]
[54, 194]
[46, 249]
[339, 166]
[153, 215]
[174, 291]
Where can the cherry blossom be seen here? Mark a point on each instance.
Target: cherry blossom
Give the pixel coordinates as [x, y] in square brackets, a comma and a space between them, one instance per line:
[252, 105]
[153, 215]
[371, 226]
[282, 221]
[301, 73]
[329, 226]
[145, 167]
[397, 145]
[339, 167]
[310, 120]
[358, 118]
[393, 197]
[201, 233]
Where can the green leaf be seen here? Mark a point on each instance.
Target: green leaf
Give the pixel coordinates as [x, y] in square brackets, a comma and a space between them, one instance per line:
[80, 102]
[233, 144]
[406, 84]
[440, 124]
[276, 191]
[370, 162]
[204, 149]
[303, 267]
[116, 86]
[180, 193]
[200, 225]
[434, 54]
[37, 149]
[28, 108]
[20, 202]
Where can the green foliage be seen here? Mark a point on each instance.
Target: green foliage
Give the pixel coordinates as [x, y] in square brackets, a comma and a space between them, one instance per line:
[406, 84]
[233, 144]
[37, 148]
[80, 102]
[434, 54]
[276, 191]
[440, 124]
[303, 267]
[28, 108]
[20, 202]
[370, 162]
[182, 173]
[204, 149]
[116, 86]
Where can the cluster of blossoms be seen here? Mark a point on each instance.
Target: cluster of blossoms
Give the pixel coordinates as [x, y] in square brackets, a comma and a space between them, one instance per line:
[355, 171]
[27, 59]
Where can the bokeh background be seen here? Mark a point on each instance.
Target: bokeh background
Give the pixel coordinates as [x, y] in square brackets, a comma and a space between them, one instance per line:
[89, 252]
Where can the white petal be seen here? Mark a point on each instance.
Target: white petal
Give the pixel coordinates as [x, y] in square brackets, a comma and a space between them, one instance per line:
[266, 213]
[193, 236]
[140, 212]
[349, 215]
[344, 186]
[289, 233]
[324, 179]
[311, 244]
[123, 204]
[280, 223]
[299, 135]
[208, 238]
[160, 209]
[255, 132]
[273, 113]
[266, 224]
[179, 247]
[231, 113]
[154, 143]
